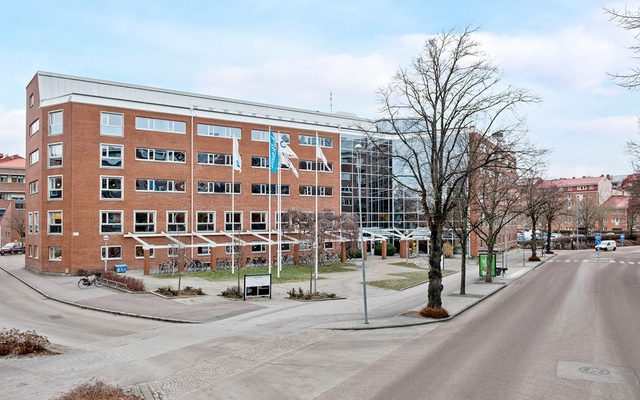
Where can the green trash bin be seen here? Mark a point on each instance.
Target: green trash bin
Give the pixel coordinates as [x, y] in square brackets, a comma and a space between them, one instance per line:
[482, 264]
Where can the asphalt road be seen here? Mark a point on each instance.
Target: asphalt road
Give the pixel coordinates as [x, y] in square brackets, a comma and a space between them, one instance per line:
[568, 330]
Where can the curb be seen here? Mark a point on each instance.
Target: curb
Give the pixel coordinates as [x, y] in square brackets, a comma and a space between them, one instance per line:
[450, 317]
[105, 310]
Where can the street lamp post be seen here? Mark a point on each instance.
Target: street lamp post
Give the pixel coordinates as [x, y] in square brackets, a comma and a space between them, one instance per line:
[106, 251]
[358, 149]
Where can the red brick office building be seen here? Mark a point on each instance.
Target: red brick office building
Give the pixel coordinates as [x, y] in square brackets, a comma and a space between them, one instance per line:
[146, 167]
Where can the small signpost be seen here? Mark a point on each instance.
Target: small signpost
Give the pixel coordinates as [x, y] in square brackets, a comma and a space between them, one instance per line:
[598, 240]
[258, 285]
[622, 239]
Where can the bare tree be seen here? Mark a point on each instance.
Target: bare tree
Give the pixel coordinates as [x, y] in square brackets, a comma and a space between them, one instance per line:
[432, 107]
[460, 225]
[553, 208]
[627, 19]
[534, 199]
[496, 195]
[590, 214]
[17, 223]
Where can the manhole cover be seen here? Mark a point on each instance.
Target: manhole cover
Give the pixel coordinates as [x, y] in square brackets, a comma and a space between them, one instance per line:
[54, 316]
[594, 371]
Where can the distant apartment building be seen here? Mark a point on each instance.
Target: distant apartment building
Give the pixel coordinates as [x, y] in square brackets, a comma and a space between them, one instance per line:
[12, 198]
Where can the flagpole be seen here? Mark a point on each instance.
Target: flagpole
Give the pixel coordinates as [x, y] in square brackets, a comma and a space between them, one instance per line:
[270, 260]
[315, 269]
[279, 219]
[233, 216]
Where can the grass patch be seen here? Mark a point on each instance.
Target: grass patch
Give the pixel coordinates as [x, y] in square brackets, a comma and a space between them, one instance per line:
[407, 279]
[405, 264]
[288, 274]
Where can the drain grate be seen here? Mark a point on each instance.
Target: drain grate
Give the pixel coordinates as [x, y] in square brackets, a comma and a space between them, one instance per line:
[596, 372]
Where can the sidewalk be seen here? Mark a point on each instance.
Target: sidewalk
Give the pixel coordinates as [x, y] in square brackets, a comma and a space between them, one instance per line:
[386, 307]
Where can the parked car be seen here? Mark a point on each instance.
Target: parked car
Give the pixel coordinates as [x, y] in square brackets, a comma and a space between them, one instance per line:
[12, 248]
[607, 245]
[555, 236]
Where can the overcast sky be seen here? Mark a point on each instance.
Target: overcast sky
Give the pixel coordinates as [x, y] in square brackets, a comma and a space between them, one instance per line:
[294, 53]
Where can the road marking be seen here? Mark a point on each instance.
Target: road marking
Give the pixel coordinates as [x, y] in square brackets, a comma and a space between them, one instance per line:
[631, 262]
[567, 260]
[595, 372]
[621, 262]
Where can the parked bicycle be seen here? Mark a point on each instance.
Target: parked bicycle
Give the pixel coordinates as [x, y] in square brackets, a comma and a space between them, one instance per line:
[86, 281]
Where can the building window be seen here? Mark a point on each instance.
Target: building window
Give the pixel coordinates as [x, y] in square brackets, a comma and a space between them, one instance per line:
[176, 221]
[111, 124]
[259, 221]
[215, 159]
[305, 140]
[55, 223]
[259, 248]
[219, 131]
[110, 221]
[55, 155]
[263, 188]
[144, 221]
[206, 221]
[55, 187]
[204, 250]
[306, 165]
[32, 100]
[232, 221]
[111, 188]
[259, 162]
[217, 187]
[55, 253]
[285, 247]
[33, 187]
[161, 155]
[323, 191]
[236, 249]
[55, 123]
[161, 125]
[111, 155]
[36, 222]
[140, 252]
[263, 136]
[34, 157]
[160, 185]
[111, 252]
[34, 127]
[30, 251]
[30, 222]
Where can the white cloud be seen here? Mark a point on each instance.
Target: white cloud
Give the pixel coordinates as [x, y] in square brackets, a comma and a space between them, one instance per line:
[12, 131]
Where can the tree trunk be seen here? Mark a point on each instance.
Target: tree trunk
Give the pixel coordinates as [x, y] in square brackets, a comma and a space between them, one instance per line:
[463, 264]
[434, 290]
[549, 236]
[534, 239]
[490, 246]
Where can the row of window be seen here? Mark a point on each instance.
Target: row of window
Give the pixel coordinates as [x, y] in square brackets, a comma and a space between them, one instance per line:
[112, 156]
[114, 252]
[111, 221]
[111, 187]
[112, 124]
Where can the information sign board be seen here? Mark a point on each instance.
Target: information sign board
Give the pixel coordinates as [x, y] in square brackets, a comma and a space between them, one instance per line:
[257, 285]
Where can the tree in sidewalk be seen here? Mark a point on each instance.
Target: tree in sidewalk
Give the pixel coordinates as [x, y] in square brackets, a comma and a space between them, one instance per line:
[448, 94]
[552, 209]
[495, 199]
[533, 201]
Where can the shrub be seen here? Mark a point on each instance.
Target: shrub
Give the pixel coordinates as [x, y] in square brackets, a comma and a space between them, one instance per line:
[232, 292]
[191, 291]
[434, 312]
[301, 295]
[97, 390]
[354, 252]
[166, 291]
[391, 249]
[133, 284]
[15, 342]
[447, 250]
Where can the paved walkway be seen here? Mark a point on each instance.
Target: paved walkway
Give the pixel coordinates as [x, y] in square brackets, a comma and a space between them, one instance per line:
[387, 308]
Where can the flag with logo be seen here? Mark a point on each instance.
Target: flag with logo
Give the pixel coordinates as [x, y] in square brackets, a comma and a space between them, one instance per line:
[273, 152]
[237, 160]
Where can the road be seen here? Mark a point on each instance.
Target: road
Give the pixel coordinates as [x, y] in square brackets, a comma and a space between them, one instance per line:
[568, 330]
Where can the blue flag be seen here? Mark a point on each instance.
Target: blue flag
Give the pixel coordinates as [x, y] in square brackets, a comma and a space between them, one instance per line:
[273, 152]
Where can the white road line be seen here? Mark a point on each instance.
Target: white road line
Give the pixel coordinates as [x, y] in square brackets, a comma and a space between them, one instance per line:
[567, 260]
[621, 262]
[631, 262]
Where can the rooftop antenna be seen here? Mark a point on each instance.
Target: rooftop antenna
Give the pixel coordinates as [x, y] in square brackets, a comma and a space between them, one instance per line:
[331, 102]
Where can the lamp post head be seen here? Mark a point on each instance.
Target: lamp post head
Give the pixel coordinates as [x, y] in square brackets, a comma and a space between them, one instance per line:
[105, 238]
[357, 147]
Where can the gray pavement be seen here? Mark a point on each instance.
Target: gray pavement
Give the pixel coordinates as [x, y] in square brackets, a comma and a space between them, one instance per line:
[386, 307]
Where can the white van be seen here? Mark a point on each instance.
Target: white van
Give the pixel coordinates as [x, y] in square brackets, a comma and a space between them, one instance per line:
[607, 245]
